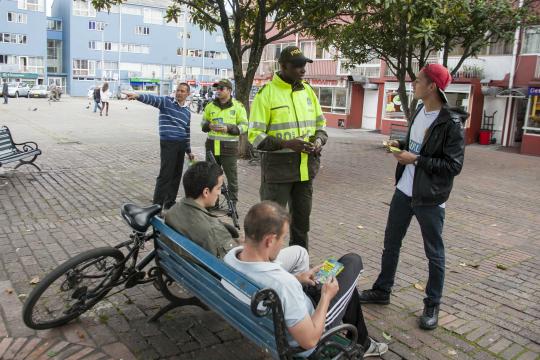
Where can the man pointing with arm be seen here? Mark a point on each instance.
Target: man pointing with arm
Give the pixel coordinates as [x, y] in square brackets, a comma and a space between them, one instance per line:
[174, 136]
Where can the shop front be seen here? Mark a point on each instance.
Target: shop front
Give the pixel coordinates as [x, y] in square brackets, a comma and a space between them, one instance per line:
[530, 142]
[28, 78]
[145, 84]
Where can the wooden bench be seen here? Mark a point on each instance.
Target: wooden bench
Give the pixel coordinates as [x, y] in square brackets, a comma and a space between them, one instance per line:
[11, 151]
[398, 132]
[261, 321]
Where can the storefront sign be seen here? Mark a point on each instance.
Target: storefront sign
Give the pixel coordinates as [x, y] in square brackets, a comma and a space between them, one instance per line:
[143, 80]
[534, 91]
[19, 75]
[327, 83]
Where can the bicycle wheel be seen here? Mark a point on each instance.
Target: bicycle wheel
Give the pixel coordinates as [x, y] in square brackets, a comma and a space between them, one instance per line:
[72, 288]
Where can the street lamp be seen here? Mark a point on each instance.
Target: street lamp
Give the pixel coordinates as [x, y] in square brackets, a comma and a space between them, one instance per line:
[103, 51]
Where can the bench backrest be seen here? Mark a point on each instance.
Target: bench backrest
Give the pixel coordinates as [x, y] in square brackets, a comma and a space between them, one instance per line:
[205, 283]
[6, 142]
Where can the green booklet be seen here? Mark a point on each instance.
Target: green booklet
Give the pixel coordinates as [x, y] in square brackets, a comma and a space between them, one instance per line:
[330, 267]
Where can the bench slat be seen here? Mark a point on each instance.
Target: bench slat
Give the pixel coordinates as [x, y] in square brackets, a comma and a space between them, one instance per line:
[17, 156]
[241, 282]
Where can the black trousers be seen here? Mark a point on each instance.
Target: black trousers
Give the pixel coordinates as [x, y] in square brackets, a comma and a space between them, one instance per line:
[345, 306]
[172, 155]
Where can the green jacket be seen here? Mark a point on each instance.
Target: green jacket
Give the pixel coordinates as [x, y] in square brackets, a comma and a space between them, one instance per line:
[200, 226]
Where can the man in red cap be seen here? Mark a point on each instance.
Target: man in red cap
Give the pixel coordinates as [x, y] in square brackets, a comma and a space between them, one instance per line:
[432, 154]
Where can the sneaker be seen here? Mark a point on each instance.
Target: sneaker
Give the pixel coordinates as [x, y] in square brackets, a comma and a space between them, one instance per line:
[376, 349]
[374, 296]
[430, 317]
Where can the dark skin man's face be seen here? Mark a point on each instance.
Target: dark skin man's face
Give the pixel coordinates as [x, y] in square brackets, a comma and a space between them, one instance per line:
[293, 72]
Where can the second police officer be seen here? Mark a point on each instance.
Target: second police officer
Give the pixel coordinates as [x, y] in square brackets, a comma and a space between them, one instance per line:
[225, 119]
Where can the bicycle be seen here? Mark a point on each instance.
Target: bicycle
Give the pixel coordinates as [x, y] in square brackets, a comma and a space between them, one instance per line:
[87, 278]
[231, 206]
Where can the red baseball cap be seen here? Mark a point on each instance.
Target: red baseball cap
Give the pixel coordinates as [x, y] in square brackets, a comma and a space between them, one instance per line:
[440, 76]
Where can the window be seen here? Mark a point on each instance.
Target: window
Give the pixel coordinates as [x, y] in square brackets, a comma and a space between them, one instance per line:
[194, 53]
[179, 51]
[84, 68]
[13, 38]
[96, 25]
[152, 16]
[94, 45]
[308, 48]
[181, 35]
[110, 46]
[31, 5]
[8, 59]
[323, 54]
[531, 40]
[83, 8]
[55, 25]
[54, 56]
[333, 99]
[17, 18]
[131, 10]
[142, 30]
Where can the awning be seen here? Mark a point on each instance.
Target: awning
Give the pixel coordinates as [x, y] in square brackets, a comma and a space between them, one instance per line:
[19, 75]
[143, 80]
[519, 93]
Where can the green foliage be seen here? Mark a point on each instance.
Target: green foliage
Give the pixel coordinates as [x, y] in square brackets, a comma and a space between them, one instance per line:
[405, 33]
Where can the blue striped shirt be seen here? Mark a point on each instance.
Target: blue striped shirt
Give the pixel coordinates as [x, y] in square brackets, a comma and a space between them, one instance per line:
[174, 119]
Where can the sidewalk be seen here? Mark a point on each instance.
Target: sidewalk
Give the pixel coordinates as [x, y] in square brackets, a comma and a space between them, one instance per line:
[91, 166]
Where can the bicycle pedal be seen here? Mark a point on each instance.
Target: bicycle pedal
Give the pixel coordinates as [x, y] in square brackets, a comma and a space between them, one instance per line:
[135, 279]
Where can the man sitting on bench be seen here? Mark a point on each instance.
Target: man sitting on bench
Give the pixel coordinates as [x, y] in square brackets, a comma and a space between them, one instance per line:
[190, 217]
[307, 312]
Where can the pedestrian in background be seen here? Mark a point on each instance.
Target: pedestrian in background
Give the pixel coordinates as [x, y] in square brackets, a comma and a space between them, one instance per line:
[97, 99]
[105, 95]
[5, 91]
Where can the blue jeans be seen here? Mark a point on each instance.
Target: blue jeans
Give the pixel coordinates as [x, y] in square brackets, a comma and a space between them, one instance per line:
[431, 220]
[96, 106]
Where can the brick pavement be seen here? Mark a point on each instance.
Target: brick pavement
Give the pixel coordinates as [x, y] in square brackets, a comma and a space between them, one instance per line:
[92, 165]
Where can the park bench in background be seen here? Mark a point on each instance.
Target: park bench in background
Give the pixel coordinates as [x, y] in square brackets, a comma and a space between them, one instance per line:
[11, 151]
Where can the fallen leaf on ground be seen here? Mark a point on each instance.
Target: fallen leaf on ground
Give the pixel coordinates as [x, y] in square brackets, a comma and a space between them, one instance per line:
[22, 296]
[502, 267]
[476, 266]
[462, 264]
[51, 353]
[493, 224]
[341, 223]
[419, 286]
[387, 336]
[34, 280]
[452, 352]
[9, 291]
[80, 334]
[360, 227]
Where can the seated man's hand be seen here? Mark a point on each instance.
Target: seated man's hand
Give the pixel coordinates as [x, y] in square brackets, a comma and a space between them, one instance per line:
[330, 288]
[308, 277]
[131, 96]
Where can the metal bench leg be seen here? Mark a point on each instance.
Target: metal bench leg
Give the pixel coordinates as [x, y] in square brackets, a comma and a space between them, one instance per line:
[177, 303]
[29, 162]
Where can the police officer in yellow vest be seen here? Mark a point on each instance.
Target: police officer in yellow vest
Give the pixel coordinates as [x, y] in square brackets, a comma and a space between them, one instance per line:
[286, 123]
[224, 119]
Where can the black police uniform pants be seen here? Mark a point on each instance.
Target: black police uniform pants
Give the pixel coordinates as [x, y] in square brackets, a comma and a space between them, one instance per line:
[170, 172]
[298, 195]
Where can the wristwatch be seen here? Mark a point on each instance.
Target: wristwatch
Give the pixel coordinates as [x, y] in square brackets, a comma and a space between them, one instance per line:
[416, 161]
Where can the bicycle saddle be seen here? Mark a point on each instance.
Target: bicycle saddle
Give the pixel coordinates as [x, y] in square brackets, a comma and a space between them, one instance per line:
[139, 217]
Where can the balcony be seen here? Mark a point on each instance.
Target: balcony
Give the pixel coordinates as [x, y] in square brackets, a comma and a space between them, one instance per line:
[471, 68]
[415, 66]
[371, 69]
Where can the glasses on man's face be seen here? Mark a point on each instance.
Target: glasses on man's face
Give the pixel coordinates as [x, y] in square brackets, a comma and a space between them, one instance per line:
[221, 88]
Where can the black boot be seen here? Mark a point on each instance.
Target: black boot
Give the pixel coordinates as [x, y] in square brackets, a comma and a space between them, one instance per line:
[430, 318]
[374, 296]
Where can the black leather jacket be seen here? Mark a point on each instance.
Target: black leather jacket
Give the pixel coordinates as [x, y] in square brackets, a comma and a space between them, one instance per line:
[440, 159]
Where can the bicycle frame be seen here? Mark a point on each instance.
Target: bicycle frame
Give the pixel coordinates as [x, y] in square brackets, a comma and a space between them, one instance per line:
[233, 213]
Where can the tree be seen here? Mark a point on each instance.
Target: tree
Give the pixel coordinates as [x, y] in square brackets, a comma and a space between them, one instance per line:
[246, 30]
[407, 33]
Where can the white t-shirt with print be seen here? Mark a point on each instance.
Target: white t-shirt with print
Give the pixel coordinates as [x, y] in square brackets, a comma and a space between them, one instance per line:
[421, 124]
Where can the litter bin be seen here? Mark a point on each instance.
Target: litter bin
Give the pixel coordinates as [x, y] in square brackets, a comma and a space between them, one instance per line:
[485, 137]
